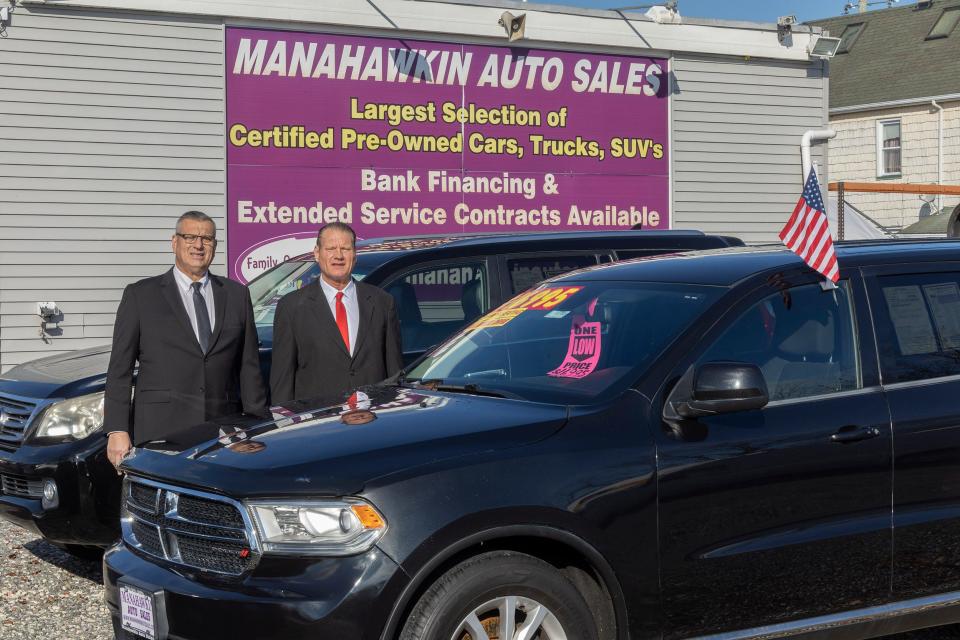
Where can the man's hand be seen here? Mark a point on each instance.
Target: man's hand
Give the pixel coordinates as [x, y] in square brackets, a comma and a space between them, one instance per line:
[118, 443]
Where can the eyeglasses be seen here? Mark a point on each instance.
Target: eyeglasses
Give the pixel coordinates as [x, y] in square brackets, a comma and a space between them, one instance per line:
[190, 238]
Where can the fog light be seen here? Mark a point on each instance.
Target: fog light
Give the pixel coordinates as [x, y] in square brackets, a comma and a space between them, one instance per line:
[51, 498]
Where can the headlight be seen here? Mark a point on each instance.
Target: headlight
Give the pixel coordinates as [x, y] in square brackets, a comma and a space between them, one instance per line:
[317, 527]
[73, 418]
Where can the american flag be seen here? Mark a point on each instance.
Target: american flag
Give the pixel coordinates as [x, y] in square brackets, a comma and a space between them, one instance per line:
[807, 233]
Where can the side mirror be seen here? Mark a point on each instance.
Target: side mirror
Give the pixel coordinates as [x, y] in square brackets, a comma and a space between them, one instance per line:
[717, 387]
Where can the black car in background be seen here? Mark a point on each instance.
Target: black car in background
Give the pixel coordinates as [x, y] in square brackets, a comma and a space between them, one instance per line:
[709, 444]
[54, 475]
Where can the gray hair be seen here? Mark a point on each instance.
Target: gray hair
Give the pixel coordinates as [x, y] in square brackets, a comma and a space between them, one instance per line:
[338, 226]
[199, 216]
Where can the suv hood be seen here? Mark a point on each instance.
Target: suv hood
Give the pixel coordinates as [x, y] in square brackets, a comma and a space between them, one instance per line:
[46, 377]
[316, 451]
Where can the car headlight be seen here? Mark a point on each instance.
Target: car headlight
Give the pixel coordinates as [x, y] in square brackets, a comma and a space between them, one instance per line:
[341, 527]
[73, 418]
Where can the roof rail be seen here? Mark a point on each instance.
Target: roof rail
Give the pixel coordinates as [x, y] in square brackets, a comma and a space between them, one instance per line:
[874, 242]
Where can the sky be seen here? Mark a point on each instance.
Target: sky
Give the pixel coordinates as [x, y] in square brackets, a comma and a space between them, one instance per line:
[753, 10]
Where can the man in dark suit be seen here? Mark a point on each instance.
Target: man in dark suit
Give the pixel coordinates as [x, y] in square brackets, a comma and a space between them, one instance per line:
[196, 343]
[337, 334]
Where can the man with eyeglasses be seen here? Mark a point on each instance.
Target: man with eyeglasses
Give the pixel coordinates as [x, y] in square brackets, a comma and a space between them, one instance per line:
[195, 340]
[337, 334]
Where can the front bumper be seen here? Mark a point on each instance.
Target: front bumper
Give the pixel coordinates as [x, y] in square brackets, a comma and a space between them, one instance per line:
[88, 489]
[289, 598]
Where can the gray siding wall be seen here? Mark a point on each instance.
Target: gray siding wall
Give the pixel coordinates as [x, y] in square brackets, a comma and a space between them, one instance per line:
[111, 125]
[736, 142]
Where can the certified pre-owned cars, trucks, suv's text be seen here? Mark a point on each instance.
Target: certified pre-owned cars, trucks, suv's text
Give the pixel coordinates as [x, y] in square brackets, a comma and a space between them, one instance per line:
[710, 444]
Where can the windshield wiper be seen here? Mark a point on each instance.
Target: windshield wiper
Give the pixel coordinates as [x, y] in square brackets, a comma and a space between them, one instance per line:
[437, 384]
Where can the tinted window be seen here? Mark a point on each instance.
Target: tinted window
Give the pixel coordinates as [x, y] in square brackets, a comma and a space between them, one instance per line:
[568, 344]
[802, 339]
[640, 253]
[918, 326]
[267, 289]
[435, 301]
[528, 272]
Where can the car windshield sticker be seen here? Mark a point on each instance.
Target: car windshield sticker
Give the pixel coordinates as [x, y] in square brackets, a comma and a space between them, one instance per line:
[538, 299]
[583, 351]
[497, 318]
[546, 298]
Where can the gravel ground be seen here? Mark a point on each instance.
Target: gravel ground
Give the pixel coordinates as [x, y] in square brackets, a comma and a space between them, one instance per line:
[47, 594]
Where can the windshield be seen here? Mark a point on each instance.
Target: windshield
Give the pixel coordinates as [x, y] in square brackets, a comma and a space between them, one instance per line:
[291, 275]
[567, 344]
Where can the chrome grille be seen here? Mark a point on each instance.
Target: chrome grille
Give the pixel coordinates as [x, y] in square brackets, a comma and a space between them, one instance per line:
[188, 528]
[15, 415]
[20, 486]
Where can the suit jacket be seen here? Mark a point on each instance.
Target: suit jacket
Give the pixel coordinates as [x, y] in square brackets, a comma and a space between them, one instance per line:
[309, 356]
[177, 384]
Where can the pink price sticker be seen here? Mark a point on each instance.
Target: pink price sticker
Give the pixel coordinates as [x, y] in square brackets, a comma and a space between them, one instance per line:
[583, 352]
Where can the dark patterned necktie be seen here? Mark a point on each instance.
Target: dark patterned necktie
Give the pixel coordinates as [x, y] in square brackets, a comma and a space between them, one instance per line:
[204, 333]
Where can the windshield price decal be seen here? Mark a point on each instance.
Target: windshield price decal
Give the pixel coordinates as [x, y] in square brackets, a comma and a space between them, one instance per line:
[546, 298]
[538, 299]
[583, 351]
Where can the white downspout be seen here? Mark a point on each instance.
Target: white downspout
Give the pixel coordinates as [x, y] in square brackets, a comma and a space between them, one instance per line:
[933, 103]
[815, 135]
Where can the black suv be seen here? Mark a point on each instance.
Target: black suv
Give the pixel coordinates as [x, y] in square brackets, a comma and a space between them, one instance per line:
[54, 475]
[710, 444]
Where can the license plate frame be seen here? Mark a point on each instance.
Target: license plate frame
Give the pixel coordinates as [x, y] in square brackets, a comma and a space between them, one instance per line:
[134, 599]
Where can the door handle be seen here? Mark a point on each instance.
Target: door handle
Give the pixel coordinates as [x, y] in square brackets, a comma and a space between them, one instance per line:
[854, 433]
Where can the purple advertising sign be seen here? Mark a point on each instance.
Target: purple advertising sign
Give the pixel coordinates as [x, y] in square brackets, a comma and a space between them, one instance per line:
[400, 137]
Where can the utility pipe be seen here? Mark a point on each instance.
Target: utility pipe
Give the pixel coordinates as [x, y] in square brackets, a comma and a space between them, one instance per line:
[814, 135]
[933, 103]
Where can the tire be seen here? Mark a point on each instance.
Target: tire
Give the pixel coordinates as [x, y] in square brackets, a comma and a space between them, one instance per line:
[484, 589]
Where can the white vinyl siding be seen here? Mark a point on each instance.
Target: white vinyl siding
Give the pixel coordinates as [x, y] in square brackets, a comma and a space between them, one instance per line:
[111, 126]
[736, 142]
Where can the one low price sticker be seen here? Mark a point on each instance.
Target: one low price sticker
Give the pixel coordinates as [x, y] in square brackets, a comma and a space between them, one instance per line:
[583, 351]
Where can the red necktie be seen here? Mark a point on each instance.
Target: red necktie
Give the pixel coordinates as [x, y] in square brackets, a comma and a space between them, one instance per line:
[342, 320]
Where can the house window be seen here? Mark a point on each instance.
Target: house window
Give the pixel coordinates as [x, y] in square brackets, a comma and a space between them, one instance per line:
[945, 23]
[888, 148]
[850, 34]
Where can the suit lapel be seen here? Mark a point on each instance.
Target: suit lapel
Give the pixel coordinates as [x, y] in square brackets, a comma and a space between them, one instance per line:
[321, 310]
[219, 308]
[365, 308]
[169, 286]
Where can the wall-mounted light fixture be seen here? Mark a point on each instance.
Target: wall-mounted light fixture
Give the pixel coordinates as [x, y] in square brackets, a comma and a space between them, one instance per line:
[823, 47]
[665, 13]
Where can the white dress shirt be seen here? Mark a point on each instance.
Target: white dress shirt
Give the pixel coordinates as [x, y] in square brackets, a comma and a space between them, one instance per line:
[185, 286]
[349, 301]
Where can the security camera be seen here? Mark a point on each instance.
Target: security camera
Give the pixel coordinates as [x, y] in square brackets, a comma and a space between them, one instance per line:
[513, 25]
[47, 310]
[785, 28]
